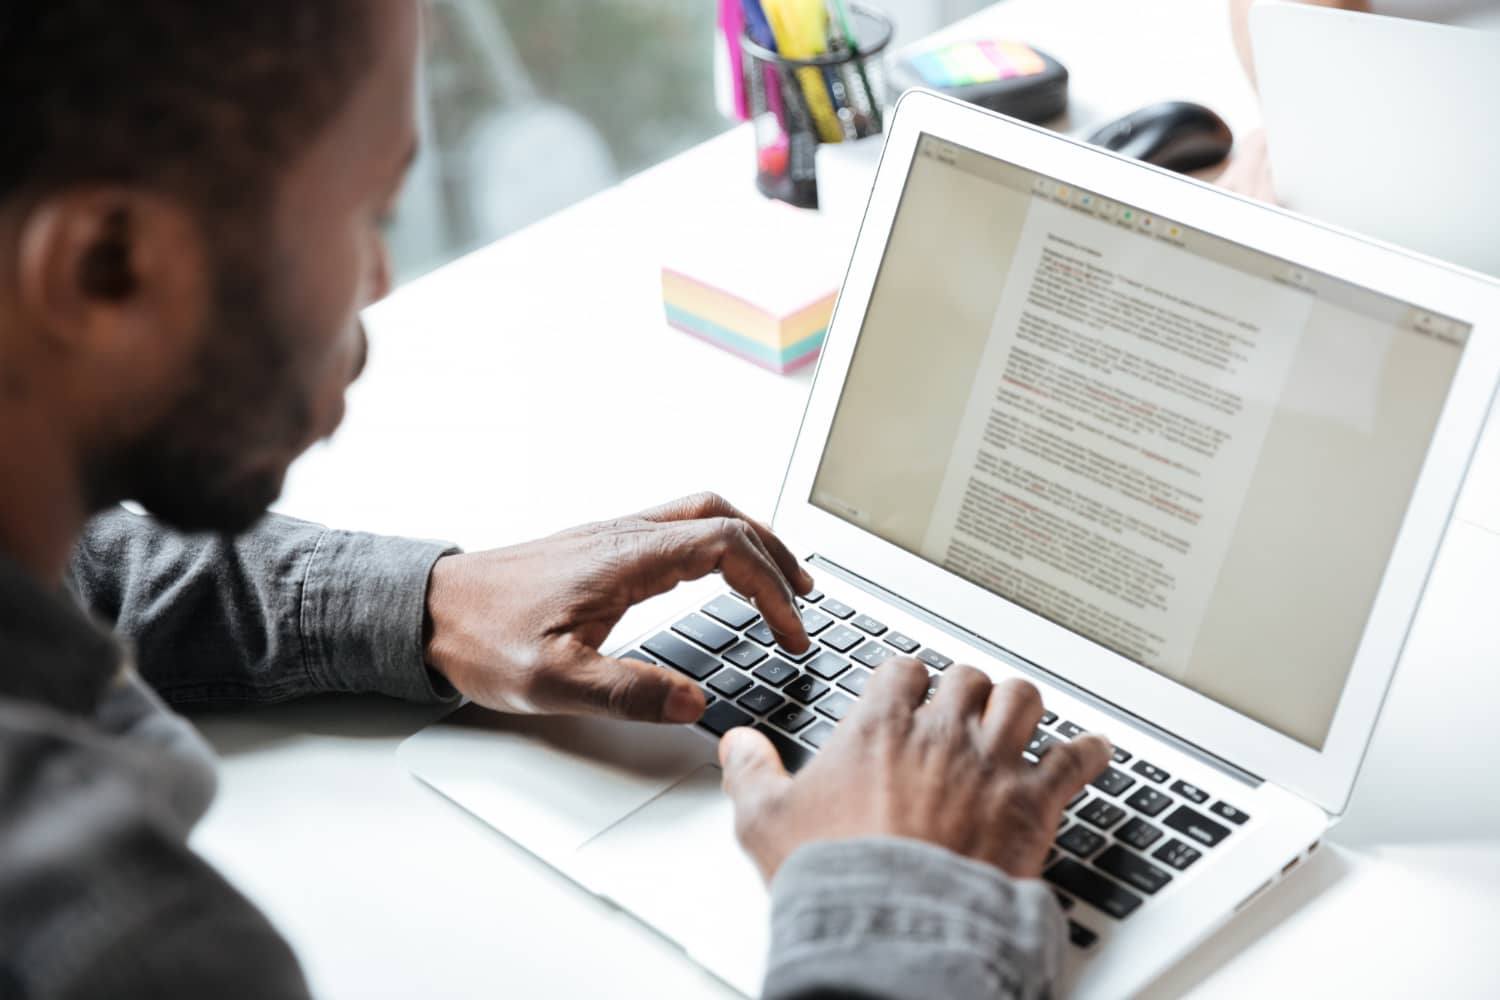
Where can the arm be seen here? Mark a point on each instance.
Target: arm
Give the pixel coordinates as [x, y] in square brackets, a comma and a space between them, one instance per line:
[904, 861]
[99, 894]
[287, 610]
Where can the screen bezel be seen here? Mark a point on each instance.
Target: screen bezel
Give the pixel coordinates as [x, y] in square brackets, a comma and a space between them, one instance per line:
[1325, 776]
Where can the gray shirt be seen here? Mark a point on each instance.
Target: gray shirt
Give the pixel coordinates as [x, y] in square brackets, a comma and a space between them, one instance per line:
[101, 782]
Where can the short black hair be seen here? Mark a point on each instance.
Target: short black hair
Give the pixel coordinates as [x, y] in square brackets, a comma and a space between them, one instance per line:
[202, 98]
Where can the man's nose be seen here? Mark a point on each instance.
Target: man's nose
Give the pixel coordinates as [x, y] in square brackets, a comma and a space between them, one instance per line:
[362, 357]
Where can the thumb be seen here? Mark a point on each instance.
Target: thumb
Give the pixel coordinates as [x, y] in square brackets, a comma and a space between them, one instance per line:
[752, 768]
[636, 690]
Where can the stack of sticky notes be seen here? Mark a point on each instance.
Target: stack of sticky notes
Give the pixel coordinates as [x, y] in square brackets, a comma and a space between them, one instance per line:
[758, 280]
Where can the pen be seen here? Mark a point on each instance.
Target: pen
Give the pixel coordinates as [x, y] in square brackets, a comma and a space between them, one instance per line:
[841, 8]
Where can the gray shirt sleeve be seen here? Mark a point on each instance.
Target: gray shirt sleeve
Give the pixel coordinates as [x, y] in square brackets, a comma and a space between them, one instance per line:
[286, 610]
[100, 896]
[895, 919]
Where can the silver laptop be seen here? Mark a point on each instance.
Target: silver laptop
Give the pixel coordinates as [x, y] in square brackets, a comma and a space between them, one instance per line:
[1182, 460]
[1385, 125]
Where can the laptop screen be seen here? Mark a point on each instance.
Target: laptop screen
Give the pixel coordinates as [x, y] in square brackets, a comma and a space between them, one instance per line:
[1187, 451]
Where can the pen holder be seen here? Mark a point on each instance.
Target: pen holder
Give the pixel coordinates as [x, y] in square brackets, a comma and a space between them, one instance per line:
[797, 103]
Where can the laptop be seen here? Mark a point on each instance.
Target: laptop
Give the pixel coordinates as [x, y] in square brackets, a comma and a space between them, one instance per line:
[1180, 459]
[1384, 125]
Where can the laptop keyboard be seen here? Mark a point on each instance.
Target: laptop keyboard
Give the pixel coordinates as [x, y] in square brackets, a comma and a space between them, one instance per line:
[1122, 840]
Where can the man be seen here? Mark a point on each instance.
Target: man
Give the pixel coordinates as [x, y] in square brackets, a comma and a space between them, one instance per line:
[190, 210]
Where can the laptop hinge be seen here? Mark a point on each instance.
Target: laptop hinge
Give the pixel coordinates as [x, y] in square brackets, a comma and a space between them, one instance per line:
[1029, 667]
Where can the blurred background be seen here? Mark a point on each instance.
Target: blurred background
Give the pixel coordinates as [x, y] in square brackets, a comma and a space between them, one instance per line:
[533, 105]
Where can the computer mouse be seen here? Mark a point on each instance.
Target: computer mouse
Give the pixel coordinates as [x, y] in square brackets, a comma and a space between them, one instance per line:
[1176, 135]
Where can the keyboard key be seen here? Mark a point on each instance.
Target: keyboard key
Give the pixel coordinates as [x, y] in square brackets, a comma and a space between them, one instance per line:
[1120, 755]
[836, 706]
[721, 717]
[805, 689]
[1040, 743]
[868, 624]
[1048, 718]
[855, 680]
[745, 654]
[905, 643]
[1196, 825]
[934, 659]
[730, 612]
[1069, 729]
[872, 654]
[837, 608]
[761, 700]
[762, 634]
[1149, 770]
[1177, 854]
[793, 755]
[1093, 888]
[1132, 869]
[814, 621]
[790, 717]
[932, 686]
[1138, 834]
[806, 654]
[676, 653]
[1224, 810]
[729, 683]
[1112, 782]
[705, 633]
[813, 596]
[1149, 801]
[827, 665]
[775, 671]
[636, 654]
[841, 638]
[820, 734]
[1080, 936]
[1101, 813]
[1190, 792]
[1080, 840]
[1063, 899]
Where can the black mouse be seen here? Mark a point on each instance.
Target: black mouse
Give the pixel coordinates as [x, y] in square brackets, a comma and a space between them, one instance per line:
[1176, 135]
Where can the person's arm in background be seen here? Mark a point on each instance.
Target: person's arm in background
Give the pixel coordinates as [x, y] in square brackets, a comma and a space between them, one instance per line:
[286, 610]
[290, 609]
[1249, 172]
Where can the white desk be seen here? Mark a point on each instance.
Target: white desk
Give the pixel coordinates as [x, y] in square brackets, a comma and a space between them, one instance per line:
[534, 385]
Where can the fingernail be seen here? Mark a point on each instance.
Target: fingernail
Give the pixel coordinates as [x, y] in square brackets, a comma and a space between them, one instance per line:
[684, 704]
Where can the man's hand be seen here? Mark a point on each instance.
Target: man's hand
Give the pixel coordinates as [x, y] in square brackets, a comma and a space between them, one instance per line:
[949, 772]
[519, 629]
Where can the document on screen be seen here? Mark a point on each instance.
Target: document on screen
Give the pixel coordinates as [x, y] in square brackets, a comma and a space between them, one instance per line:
[1112, 429]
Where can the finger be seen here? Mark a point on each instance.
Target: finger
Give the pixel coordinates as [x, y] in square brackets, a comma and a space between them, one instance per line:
[753, 772]
[791, 567]
[622, 689]
[1067, 767]
[710, 505]
[748, 569]
[962, 694]
[898, 688]
[1011, 717]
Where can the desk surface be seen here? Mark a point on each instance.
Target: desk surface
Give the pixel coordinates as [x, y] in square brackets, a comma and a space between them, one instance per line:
[534, 385]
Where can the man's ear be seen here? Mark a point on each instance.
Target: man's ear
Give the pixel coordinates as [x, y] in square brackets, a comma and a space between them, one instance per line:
[112, 273]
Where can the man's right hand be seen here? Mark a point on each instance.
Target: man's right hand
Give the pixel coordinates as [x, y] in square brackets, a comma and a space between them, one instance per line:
[949, 772]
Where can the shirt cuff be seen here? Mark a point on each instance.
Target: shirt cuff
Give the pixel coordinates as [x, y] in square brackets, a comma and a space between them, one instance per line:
[890, 917]
[364, 612]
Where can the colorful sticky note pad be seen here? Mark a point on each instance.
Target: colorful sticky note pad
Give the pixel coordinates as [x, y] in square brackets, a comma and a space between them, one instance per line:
[964, 63]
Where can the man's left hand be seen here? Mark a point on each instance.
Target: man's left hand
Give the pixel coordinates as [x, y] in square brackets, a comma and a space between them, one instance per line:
[519, 629]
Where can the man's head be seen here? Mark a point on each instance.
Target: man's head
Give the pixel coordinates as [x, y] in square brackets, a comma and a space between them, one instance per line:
[191, 197]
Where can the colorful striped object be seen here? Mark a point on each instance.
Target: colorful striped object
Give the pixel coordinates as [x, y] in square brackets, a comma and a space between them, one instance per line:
[760, 283]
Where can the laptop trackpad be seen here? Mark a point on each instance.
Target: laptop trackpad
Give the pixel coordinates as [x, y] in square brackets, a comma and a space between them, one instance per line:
[550, 784]
[675, 864]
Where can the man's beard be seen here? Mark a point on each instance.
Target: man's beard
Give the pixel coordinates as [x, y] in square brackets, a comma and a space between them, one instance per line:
[188, 468]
